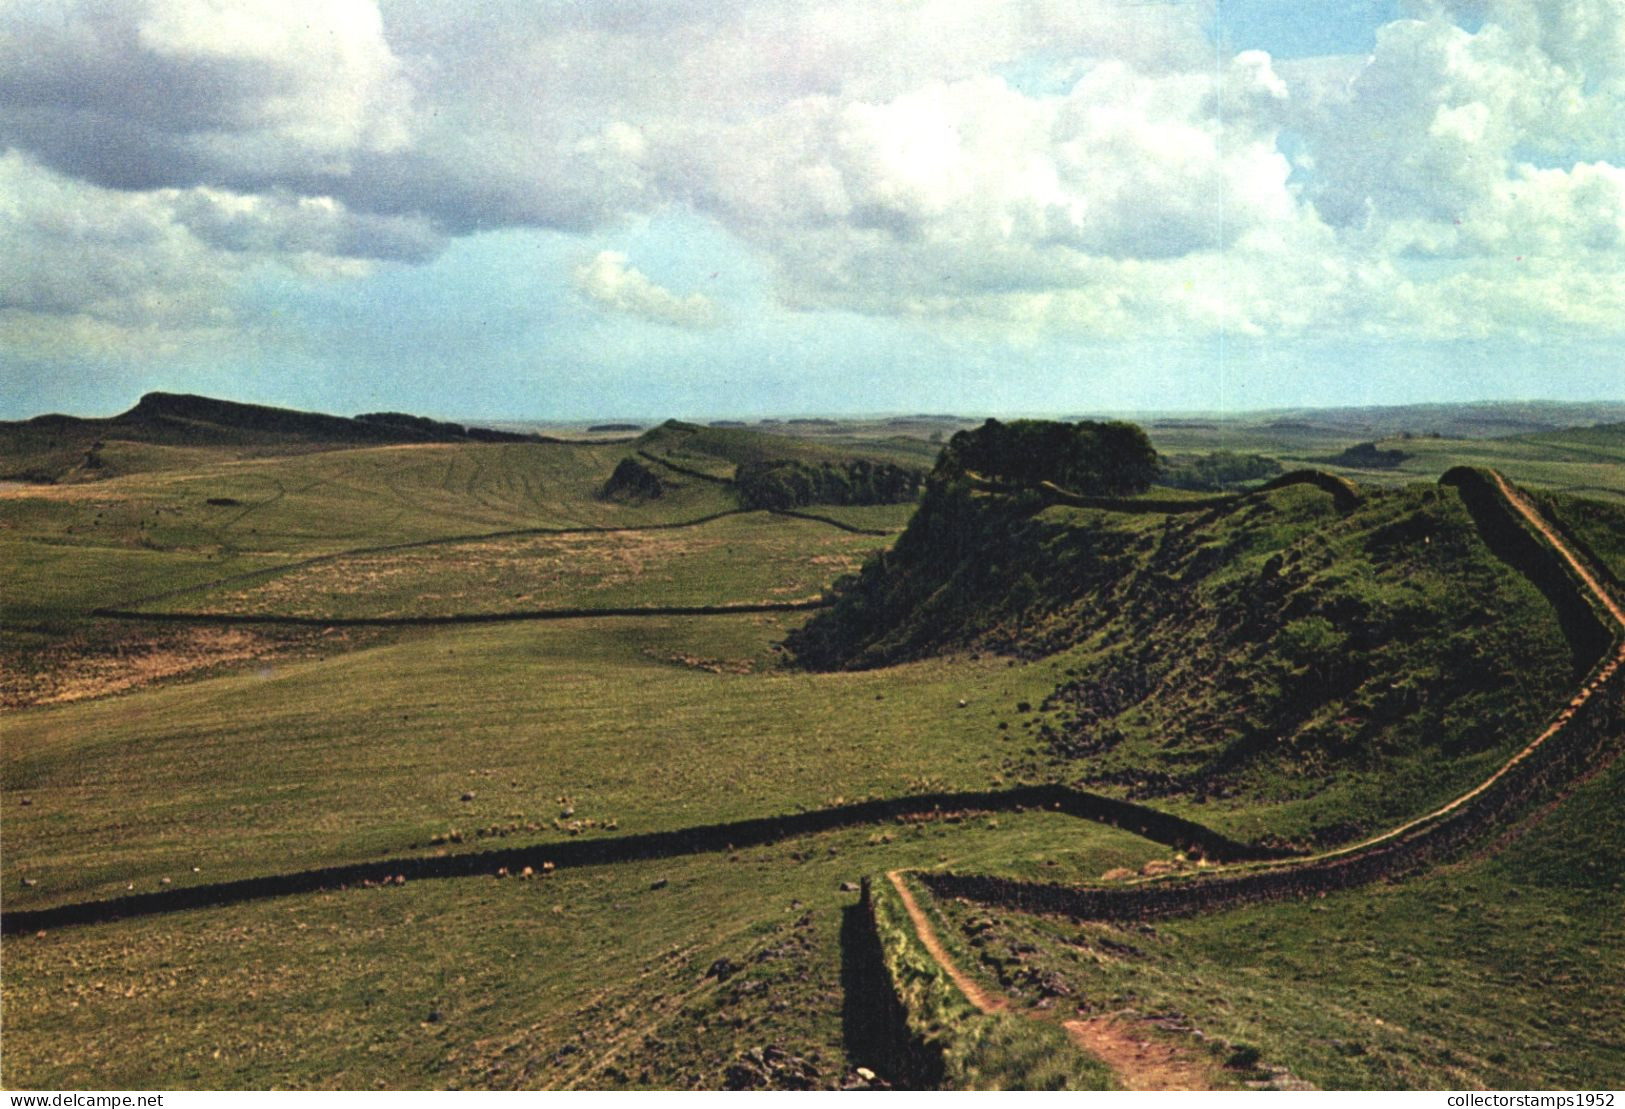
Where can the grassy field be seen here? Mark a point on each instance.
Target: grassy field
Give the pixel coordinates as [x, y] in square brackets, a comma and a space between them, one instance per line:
[1588, 461]
[333, 500]
[70, 549]
[654, 724]
[141, 758]
[747, 558]
[586, 978]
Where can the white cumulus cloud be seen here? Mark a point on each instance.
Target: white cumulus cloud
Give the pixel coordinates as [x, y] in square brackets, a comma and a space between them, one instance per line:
[1078, 166]
[608, 281]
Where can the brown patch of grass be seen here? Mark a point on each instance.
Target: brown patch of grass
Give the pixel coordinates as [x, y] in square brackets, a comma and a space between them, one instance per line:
[103, 662]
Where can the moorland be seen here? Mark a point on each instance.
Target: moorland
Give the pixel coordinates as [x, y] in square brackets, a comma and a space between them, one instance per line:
[1263, 752]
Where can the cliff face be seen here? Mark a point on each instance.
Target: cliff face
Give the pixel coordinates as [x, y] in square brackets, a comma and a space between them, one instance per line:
[1280, 642]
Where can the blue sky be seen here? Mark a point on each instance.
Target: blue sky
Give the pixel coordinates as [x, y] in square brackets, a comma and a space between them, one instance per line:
[757, 208]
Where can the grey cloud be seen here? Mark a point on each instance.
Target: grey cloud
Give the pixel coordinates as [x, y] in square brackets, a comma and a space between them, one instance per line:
[281, 224]
[868, 151]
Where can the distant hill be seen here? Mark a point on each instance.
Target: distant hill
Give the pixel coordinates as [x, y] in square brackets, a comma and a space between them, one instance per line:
[1482, 420]
[55, 447]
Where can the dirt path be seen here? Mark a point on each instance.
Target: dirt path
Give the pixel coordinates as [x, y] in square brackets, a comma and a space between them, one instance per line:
[1530, 513]
[984, 1001]
[1139, 1061]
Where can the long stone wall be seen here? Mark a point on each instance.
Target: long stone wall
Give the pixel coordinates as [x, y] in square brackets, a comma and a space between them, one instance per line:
[687, 471]
[1165, 828]
[1510, 538]
[876, 1013]
[1594, 731]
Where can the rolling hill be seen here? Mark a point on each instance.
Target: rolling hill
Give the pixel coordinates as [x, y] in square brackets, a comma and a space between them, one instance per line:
[600, 838]
[55, 447]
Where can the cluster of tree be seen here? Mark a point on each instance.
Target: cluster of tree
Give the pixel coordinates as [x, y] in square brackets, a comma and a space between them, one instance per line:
[783, 483]
[1210, 473]
[1097, 459]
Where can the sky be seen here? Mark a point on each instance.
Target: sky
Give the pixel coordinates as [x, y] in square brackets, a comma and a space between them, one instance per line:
[586, 209]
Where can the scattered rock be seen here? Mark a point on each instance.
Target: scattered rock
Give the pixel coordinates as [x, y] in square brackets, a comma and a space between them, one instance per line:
[770, 1068]
[659, 883]
[849, 887]
[468, 796]
[30, 883]
[1050, 984]
[723, 969]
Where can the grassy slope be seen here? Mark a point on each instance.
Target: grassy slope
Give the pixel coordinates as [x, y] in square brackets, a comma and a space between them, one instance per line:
[70, 549]
[979, 1050]
[1272, 667]
[365, 752]
[1582, 460]
[1600, 526]
[588, 978]
[718, 449]
[329, 501]
[1586, 461]
[1504, 971]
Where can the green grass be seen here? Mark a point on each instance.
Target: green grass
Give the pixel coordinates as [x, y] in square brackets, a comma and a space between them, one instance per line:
[737, 559]
[336, 748]
[54, 585]
[719, 449]
[1504, 971]
[1588, 461]
[588, 978]
[1272, 667]
[363, 753]
[979, 1051]
[870, 517]
[319, 503]
[1599, 525]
